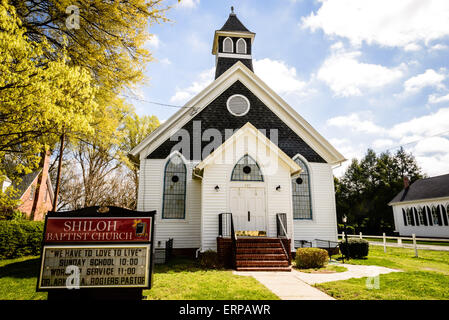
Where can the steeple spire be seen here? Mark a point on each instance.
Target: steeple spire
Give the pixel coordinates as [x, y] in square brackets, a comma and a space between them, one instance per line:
[232, 43]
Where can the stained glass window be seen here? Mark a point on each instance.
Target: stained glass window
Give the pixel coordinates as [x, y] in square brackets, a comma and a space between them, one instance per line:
[174, 189]
[246, 169]
[302, 208]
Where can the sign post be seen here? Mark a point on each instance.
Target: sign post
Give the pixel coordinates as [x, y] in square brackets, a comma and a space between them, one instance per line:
[97, 253]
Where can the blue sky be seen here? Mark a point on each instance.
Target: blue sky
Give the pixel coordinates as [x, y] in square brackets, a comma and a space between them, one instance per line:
[364, 73]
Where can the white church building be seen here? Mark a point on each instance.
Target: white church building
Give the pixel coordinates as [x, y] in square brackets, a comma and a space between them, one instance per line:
[238, 163]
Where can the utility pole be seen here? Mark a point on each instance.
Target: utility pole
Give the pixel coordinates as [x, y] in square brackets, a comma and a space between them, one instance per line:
[58, 176]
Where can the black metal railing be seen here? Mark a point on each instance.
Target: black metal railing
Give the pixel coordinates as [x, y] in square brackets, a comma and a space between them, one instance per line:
[303, 244]
[326, 244]
[226, 230]
[281, 224]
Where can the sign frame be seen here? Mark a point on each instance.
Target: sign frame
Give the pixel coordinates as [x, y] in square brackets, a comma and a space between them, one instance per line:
[98, 213]
[99, 246]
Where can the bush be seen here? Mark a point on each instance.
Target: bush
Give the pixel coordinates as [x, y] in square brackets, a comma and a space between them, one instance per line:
[311, 258]
[210, 260]
[356, 248]
[20, 238]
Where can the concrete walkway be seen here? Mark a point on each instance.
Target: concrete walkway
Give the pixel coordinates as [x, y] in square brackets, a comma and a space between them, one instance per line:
[296, 285]
[286, 285]
[354, 271]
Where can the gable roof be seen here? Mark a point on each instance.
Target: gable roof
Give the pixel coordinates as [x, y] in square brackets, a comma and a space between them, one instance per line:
[233, 24]
[429, 188]
[248, 128]
[26, 182]
[239, 72]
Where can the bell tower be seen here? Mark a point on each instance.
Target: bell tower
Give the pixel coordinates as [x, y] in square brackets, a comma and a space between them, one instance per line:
[232, 43]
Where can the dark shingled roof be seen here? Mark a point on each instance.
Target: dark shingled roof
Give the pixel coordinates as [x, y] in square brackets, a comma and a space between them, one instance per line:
[234, 24]
[435, 187]
[27, 180]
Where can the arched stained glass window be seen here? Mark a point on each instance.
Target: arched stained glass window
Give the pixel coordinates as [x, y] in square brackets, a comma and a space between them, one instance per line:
[174, 189]
[241, 46]
[302, 204]
[246, 169]
[228, 45]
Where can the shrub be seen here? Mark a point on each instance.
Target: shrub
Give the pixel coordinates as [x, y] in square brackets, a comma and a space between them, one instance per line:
[20, 238]
[311, 258]
[210, 260]
[356, 248]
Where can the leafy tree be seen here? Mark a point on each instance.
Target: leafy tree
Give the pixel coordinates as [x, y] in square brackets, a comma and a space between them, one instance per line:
[39, 98]
[135, 129]
[368, 185]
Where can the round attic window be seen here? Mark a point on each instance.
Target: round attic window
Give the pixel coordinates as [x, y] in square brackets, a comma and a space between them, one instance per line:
[238, 105]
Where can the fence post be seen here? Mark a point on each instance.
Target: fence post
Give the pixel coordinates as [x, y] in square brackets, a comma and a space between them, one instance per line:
[342, 236]
[399, 242]
[360, 235]
[385, 242]
[414, 245]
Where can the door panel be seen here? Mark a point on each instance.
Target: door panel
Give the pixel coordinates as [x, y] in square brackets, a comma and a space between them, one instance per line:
[248, 208]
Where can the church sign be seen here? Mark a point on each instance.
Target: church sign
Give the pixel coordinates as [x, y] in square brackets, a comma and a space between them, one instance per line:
[88, 248]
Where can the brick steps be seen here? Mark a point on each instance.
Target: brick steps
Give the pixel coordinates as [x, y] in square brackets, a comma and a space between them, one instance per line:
[242, 250]
[266, 256]
[261, 254]
[262, 263]
[273, 269]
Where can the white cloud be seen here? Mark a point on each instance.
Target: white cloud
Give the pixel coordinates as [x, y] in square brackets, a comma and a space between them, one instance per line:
[279, 76]
[347, 76]
[355, 123]
[382, 143]
[439, 46]
[204, 79]
[427, 125]
[438, 99]
[189, 3]
[430, 78]
[384, 22]
[426, 137]
[165, 61]
[153, 42]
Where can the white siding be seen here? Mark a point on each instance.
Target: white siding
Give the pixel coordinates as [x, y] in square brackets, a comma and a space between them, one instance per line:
[434, 231]
[186, 232]
[324, 217]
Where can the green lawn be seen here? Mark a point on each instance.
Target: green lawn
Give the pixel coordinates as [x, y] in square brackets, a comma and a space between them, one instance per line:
[181, 279]
[423, 278]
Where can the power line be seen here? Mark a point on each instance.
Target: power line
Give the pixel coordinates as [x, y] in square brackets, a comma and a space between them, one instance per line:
[153, 102]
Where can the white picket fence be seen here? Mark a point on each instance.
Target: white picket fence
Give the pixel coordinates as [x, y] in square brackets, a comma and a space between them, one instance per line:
[399, 240]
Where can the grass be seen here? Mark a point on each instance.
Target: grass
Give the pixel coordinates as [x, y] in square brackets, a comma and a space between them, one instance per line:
[327, 269]
[423, 278]
[181, 279]
[18, 278]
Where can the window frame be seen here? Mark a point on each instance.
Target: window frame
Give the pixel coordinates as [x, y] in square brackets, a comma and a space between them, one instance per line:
[306, 165]
[169, 159]
[232, 112]
[232, 45]
[258, 167]
[237, 46]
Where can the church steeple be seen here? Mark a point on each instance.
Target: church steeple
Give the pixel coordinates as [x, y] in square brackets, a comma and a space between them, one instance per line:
[232, 43]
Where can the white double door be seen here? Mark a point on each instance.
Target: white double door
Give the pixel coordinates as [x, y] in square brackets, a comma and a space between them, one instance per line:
[248, 208]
